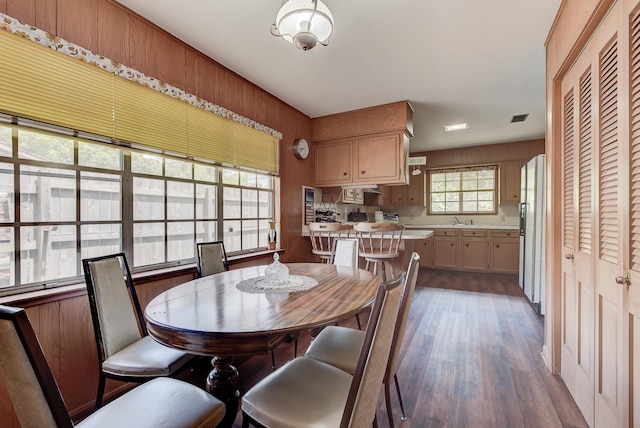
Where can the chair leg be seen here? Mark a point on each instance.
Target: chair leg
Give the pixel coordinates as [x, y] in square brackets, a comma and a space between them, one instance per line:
[395, 378]
[273, 360]
[101, 381]
[375, 421]
[387, 398]
[358, 321]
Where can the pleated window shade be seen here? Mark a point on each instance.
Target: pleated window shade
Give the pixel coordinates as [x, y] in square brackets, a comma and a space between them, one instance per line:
[40, 84]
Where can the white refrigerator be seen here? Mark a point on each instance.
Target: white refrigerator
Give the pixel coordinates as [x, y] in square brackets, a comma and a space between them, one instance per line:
[532, 231]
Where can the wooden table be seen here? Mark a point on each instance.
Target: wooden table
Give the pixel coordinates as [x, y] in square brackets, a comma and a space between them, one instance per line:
[210, 316]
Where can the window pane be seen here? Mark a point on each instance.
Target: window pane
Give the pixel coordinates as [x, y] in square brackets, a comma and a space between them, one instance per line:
[205, 173]
[263, 226]
[452, 207]
[207, 231]
[47, 194]
[7, 208]
[230, 176]
[264, 205]
[451, 197]
[177, 168]
[145, 163]
[148, 243]
[485, 196]
[179, 200]
[180, 244]
[230, 202]
[45, 147]
[471, 206]
[265, 182]
[487, 173]
[486, 184]
[47, 253]
[6, 142]
[249, 234]
[100, 197]
[485, 206]
[100, 239]
[206, 201]
[452, 185]
[7, 265]
[470, 175]
[148, 199]
[99, 156]
[437, 197]
[470, 185]
[470, 196]
[249, 203]
[248, 179]
[437, 207]
[232, 236]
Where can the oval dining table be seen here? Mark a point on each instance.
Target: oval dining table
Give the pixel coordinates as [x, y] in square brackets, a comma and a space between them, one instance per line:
[210, 316]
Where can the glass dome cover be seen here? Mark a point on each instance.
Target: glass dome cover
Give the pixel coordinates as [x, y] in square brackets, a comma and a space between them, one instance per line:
[276, 273]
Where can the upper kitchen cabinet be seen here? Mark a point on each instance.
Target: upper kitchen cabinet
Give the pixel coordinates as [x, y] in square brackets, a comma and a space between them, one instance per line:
[363, 147]
[510, 182]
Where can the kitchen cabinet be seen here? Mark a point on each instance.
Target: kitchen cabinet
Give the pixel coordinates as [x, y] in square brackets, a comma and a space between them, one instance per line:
[363, 161]
[510, 182]
[424, 247]
[445, 249]
[473, 251]
[504, 249]
[385, 198]
[416, 194]
[411, 194]
[353, 195]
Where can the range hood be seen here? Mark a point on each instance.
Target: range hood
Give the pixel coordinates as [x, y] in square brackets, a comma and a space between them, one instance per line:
[366, 189]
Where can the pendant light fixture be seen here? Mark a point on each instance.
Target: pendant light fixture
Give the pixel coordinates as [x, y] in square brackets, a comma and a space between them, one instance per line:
[303, 23]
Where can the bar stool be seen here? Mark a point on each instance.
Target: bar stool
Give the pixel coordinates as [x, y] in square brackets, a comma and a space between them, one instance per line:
[322, 237]
[379, 245]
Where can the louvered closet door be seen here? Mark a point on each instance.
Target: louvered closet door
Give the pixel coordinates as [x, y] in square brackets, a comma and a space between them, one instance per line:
[609, 241]
[577, 349]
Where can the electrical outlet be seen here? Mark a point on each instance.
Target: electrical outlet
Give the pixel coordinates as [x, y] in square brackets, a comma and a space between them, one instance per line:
[502, 218]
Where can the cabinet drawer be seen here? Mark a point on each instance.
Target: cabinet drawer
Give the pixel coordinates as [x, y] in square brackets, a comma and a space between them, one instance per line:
[505, 234]
[445, 232]
[474, 233]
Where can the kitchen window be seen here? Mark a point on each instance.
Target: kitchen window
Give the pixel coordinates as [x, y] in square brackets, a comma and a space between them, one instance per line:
[65, 198]
[463, 190]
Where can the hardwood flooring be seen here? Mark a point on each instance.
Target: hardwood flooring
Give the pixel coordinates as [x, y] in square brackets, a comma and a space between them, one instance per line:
[471, 358]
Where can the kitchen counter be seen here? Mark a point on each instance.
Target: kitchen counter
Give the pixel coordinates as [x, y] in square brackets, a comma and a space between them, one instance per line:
[413, 227]
[407, 234]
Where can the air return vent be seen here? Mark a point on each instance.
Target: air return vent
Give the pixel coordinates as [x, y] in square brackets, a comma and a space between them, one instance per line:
[519, 118]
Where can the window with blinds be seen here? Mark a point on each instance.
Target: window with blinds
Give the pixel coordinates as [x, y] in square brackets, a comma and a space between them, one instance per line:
[47, 86]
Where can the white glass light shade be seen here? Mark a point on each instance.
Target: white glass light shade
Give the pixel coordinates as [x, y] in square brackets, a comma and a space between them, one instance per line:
[304, 23]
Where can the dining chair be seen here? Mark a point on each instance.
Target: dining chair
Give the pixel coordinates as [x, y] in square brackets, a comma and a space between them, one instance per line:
[340, 346]
[322, 236]
[309, 393]
[212, 258]
[345, 253]
[38, 403]
[125, 350]
[379, 244]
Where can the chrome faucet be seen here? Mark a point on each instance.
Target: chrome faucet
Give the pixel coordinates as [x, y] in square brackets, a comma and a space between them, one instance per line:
[455, 220]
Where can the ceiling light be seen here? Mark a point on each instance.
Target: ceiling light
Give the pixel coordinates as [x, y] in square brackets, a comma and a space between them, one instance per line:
[456, 127]
[303, 23]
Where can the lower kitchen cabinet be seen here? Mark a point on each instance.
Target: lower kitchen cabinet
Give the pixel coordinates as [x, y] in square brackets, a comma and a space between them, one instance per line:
[424, 248]
[445, 252]
[505, 252]
[474, 255]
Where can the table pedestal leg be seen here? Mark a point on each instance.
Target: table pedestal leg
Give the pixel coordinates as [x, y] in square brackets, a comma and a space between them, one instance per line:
[222, 383]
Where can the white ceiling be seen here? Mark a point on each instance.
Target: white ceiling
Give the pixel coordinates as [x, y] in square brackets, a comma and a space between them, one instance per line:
[471, 61]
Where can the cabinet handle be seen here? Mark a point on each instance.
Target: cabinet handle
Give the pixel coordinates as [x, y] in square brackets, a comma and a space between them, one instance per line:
[344, 173]
[467, 245]
[473, 233]
[363, 172]
[515, 196]
[623, 280]
[497, 246]
[568, 256]
[452, 244]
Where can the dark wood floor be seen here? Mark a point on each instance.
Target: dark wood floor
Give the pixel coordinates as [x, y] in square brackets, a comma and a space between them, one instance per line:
[471, 358]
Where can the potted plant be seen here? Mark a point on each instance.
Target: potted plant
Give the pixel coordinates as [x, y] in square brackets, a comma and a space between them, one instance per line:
[272, 235]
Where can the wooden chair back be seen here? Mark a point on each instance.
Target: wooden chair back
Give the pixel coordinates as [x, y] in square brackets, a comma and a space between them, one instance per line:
[322, 236]
[35, 396]
[379, 239]
[362, 401]
[212, 258]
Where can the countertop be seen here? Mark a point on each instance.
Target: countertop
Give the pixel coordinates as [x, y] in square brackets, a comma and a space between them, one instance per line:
[418, 233]
[458, 226]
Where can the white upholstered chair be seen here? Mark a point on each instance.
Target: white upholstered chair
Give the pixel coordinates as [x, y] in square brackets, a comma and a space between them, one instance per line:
[212, 258]
[322, 236]
[340, 346]
[125, 350]
[345, 252]
[379, 245]
[162, 402]
[309, 393]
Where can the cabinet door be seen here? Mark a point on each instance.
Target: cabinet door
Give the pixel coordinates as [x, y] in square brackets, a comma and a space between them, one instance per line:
[473, 254]
[510, 182]
[385, 198]
[445, 253]
[416, 190]
[505, 256]
[353, 195]
[398, 195]
[380, 160]
[424, 247]
[333, 163]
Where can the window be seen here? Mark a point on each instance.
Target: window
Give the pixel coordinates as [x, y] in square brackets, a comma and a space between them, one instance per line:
[64, 198]
[463, 191]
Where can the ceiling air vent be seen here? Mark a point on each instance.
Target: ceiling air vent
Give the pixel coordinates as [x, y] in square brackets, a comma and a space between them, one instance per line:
[519, 118]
